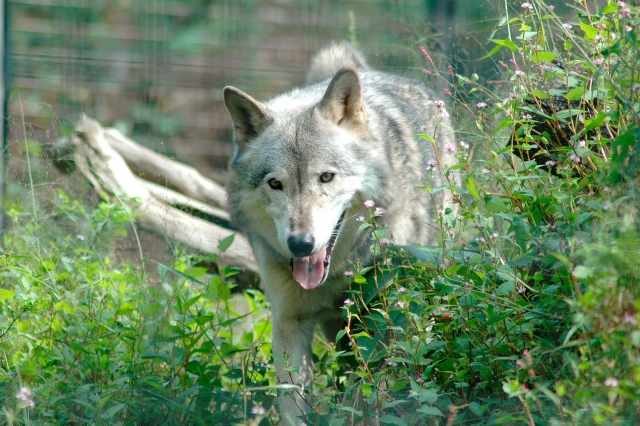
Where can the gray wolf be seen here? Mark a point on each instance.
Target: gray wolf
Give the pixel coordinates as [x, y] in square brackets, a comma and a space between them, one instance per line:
[305, 163]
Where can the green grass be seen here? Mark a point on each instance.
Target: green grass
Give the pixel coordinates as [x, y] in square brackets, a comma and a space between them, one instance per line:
[526, 313]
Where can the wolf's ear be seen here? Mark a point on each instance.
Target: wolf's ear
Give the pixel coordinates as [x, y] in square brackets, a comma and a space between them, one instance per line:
[342, 102]
[249, 116]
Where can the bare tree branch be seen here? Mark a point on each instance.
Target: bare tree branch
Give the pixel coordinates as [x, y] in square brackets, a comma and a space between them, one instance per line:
[159, 169]
[104, 157]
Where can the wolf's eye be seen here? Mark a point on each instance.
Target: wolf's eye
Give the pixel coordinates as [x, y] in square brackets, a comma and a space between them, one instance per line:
[326, 177]
[275, 184]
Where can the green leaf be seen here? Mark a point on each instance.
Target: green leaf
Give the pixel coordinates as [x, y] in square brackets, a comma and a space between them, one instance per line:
[595, 122]
[566, 113]
[471, 187]
[505, 288]
[590, 32]
[506, 43]
[575, 94]
[495, 204]
[431, 411]
[492, 52]
[392, 420]
[546, 56]
[539, 94]
[610, 8]
[6, 294]
[226, 242]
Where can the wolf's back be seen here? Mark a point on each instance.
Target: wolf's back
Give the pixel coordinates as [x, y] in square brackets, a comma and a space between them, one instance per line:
[327, 62]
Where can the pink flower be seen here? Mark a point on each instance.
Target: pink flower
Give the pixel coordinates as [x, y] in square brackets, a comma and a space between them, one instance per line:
[439, 103]
[450, 148]
[360, 219]
[598, 61]
[348, 274]
[369, 203]
[527, 6]
[425, 53]
[481, 104]
[24, 395]
[379, 211]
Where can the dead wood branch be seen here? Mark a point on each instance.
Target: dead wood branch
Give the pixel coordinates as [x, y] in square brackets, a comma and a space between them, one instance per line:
[108, 160]
[164, 171]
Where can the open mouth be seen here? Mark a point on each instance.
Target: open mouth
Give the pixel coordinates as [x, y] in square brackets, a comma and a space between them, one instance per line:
[311, 271]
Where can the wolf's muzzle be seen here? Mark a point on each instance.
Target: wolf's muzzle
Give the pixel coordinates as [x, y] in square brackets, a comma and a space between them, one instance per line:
[301, 245]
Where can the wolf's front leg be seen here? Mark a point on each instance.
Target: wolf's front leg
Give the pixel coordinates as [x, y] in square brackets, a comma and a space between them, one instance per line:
[292, 341]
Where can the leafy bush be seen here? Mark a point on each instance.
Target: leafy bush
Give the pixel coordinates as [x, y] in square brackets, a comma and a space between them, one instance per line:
[526, 311]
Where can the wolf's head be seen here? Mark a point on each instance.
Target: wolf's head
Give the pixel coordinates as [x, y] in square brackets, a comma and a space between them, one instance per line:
[300, 165]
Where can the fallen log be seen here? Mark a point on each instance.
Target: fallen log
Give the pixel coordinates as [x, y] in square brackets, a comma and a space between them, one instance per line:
[121, 168]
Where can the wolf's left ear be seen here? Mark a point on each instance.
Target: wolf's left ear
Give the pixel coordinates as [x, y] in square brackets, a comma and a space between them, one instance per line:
[342, 102]
[249, 116]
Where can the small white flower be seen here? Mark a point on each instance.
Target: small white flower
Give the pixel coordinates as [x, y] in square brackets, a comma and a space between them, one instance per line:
[550, 163]
[369, 203]
[360, 219]
[444, 113]
[527, 6]
[481, 104]
[463, 145]
[486, 171]
[551, 7]
[258, 410]
[611, 382]
[348, 302]
[348, 274]
[567, 26]
[432, 164]
[439, 103]
[582, 143]
[598, 61]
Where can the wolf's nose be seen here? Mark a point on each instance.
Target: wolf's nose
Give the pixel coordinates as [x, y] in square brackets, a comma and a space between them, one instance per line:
[301, 245]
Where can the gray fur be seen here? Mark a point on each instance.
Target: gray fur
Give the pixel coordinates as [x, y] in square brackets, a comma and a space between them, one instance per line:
[361, 127]
[326, 63]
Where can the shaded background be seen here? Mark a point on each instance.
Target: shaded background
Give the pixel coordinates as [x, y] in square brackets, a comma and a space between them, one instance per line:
[156, 68]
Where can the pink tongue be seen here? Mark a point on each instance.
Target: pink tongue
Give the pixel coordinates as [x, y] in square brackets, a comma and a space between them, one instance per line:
[308, 271]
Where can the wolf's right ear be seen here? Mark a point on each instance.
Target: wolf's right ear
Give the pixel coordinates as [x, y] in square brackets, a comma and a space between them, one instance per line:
[249, 116]
[342, 102]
